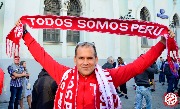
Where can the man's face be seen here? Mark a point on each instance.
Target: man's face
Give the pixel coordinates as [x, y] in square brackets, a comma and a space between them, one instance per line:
[112, 61]
[85, 60]
[16, 60]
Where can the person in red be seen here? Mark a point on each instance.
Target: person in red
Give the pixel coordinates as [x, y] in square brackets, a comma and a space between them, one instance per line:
[87, 85]
[1, 80]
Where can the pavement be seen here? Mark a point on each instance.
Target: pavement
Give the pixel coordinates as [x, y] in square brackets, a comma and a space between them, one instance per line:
[5, 105]
[157, 96]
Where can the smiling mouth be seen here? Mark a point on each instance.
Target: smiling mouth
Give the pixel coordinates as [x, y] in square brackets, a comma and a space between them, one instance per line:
[85, 68]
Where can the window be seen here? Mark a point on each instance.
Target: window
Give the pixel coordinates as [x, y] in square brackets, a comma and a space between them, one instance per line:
[176, 20]
[52, 7]
[74, 9]
[144, 15]
[176, 27]
[174, 2]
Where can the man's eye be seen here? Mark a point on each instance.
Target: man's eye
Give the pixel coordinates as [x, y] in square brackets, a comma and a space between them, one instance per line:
[90, 58]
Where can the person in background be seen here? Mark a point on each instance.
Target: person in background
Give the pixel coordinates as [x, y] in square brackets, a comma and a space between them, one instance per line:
[143, 89]
[123, 87]
[109, 63]
[176, 71]
[179, 70]
[16, 84]
[114, 65]
[179, 88]
[151, 76]
[44, 90]
[171, 75]
[160, 64]
[26, 93]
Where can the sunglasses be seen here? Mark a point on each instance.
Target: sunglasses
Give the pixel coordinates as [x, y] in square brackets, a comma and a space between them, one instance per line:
[92, 44]
[85, 43]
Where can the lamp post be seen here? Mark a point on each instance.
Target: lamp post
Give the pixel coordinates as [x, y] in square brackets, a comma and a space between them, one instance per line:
[1, 5]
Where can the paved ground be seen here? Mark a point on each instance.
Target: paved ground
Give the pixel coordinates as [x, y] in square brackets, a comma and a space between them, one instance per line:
[129, 103]
[157, 96]
[5, 105]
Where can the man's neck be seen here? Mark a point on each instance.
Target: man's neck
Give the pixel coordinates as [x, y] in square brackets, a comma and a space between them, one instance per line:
[85, 76]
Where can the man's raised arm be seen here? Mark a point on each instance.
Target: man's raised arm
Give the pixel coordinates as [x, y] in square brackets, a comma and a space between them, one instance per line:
[54, 69]
[124, 73]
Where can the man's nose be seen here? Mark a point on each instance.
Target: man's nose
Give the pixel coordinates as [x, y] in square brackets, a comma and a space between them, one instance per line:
[85, 62]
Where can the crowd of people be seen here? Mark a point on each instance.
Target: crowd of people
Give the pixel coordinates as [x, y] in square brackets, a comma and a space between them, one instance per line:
[87, 85]
[171, 76]
[144, 82]
[44, 88]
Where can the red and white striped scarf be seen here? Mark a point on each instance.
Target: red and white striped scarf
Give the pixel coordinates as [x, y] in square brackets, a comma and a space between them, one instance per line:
[66, 95]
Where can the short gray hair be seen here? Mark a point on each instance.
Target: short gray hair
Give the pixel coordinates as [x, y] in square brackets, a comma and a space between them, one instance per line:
[87, 44]
[110, 59]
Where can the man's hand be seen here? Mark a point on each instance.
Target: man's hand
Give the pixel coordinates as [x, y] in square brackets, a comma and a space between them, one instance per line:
[171, 34]
[25, 74]
[13, 77]
[19, 22]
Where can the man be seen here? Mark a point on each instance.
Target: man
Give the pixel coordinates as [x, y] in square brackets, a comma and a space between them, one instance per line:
[143, 88]
[44, 85]
[171, 75]
[87, 85]
[109, 63]
[151, 76]
[161, 73]
[16, 75]
[176, 70]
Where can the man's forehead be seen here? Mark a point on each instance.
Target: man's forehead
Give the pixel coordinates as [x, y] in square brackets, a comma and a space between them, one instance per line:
[85, 47]
[81, 51]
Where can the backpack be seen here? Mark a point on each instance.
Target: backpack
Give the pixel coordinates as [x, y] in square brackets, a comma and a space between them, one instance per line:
[167, 70]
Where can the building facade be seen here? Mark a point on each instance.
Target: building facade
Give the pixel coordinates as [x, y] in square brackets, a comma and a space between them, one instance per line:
[63, 42]
[60, 44]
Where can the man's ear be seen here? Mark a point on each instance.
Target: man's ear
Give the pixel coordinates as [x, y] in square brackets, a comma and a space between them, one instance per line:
[97, 60]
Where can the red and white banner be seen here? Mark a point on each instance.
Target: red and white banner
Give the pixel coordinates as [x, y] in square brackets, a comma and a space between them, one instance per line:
[150, 30]
[112, 26]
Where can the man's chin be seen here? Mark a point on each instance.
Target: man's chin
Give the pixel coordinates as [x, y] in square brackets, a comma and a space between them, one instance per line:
[85, 73]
